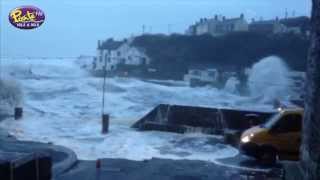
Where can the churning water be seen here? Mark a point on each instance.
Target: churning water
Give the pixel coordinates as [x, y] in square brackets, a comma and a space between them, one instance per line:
[62, 104]
[269, 79]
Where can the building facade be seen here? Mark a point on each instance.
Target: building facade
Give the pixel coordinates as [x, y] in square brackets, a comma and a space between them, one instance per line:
[268, 27]
[218, 26]
[297, 85]
[114, 53]
[197, 77]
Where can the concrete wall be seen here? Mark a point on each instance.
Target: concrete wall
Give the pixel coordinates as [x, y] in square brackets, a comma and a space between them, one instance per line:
[22, 166]
[181, 119]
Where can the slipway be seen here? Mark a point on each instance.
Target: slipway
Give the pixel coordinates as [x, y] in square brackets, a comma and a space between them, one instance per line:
[184, 119]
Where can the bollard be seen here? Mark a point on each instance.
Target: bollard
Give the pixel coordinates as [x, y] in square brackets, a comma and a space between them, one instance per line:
[105, 123]
[98, 169]
[18, 112]
[98, 164]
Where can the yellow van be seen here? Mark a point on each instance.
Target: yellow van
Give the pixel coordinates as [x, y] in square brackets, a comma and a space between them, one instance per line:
[278, 138]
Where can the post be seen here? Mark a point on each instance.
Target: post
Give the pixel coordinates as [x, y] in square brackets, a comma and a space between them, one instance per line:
[98, 169]
[310, 150]
[18, 112]
[105, 117]
[105, 123]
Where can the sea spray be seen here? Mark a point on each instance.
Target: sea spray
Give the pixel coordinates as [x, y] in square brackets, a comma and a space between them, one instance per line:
[10, 95]
[269, 80]
[232, 85]
[64, 108]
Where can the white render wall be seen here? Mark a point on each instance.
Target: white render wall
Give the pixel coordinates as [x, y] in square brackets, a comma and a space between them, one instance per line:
[241, 25]
[209, 75]
[125, 54]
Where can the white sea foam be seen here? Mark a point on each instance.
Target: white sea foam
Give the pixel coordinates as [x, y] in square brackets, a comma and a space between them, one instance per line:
[63, 105]
[269, 79]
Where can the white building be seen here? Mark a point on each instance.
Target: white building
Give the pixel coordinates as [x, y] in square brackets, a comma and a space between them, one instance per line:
[202, 76]
[297, 85]
[130, 55]
[268, 26]
[218, 26]
[115, 53]
[232, 25]
[294, 30]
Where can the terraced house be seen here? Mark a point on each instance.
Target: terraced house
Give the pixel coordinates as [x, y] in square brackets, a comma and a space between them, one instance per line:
[218, 26]
[116, 53]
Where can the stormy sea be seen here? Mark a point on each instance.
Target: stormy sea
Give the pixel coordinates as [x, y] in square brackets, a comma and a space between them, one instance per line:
[63, 105]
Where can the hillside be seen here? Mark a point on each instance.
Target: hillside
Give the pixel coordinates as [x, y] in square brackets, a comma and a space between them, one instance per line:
[236, 50]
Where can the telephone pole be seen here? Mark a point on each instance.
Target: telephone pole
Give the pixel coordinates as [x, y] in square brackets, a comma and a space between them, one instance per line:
[1, 44]
[143, 29]
[169, 28]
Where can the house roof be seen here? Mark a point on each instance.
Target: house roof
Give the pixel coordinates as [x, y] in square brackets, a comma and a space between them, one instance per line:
[111, 44]
[232, 20]
[267, 22]
[303, 22]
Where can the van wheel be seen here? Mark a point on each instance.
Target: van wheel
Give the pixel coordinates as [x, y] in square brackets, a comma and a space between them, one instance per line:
[268, 156]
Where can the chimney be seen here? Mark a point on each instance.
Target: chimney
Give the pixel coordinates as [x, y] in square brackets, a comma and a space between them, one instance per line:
[242, 16]
[99, 44]
[216, 17]
[277, 19]
[223, 18]
[253, 20]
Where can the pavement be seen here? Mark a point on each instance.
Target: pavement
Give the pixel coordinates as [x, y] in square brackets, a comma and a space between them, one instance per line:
[167, 169]
[155, 169]
[63, 158]
[66, 166]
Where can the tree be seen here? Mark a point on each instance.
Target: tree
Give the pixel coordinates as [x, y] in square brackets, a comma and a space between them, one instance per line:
[310, 150]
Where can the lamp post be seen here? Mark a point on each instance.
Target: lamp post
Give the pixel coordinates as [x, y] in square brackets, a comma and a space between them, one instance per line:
[105, 116]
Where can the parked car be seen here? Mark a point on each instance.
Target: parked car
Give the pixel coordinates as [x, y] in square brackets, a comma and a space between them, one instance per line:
[278, 138]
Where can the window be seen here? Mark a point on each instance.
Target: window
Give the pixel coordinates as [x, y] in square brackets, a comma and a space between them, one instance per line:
[196, 72]
[212, 73]
[232, 27]
[289, 123]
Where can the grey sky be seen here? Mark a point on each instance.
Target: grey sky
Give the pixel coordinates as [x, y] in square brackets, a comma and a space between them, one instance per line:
[72, 27]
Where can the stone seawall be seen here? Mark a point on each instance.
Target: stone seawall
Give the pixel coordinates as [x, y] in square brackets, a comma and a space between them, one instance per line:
[182, 119]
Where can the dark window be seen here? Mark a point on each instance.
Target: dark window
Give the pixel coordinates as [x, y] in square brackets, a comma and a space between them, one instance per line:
[212, 74]
[144, 60]
[232, 27]
[289, 123]
[196, 73]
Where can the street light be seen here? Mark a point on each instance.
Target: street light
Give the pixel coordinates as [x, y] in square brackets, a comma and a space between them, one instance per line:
[105, 116]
